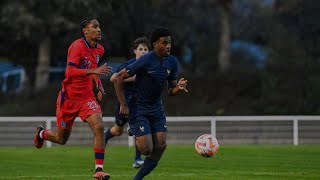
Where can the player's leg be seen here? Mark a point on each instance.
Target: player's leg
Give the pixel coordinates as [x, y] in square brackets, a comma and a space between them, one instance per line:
[96, 124]
[66, 113]
[158, 127]
[140, 128]
[138, 161]
[117, 129]
[159, 135]
[59, 136]
[151, 161]
[159, 145]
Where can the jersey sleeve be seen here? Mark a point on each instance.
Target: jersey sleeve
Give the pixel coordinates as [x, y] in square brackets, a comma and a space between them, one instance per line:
[174, 71]
[122, 66]
[74, 56]
[139, 65]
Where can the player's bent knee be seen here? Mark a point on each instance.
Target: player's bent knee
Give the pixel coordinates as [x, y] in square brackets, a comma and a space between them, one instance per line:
[146, 151]
[163, 146]
[99, 127]
[118, 132]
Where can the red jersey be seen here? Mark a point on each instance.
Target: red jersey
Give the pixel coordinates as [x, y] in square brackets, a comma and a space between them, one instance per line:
[81, 56]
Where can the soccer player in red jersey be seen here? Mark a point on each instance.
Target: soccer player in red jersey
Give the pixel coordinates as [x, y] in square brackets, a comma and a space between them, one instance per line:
[76, 97]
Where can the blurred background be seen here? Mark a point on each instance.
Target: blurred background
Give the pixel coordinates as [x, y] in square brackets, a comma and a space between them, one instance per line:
[243, 57]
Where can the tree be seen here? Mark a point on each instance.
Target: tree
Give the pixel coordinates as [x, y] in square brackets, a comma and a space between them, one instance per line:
[224, 7]
[225, 36]
[39, 21]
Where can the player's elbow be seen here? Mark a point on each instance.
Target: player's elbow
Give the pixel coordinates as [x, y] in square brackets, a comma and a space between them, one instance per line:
[117, 78]
[67, 73]
[112, 77]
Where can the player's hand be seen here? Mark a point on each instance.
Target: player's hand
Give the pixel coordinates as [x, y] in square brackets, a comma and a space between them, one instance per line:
[99, 96]
[182, 84]
[103, 70]
[124, 110]
[100, 88]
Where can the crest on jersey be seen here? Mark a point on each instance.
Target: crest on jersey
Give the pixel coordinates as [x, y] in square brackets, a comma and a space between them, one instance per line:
[168, 71]
[98, 58]
[63, 124]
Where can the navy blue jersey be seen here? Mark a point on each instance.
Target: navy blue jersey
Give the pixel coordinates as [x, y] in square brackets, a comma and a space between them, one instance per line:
[151, 74]
[128, 87]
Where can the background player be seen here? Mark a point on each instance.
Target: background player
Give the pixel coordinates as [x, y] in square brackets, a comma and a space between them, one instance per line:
[140, 47]
[152, 71]
[77, 98]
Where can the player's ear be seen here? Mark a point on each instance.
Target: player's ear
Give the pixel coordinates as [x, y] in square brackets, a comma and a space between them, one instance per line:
[84, 30]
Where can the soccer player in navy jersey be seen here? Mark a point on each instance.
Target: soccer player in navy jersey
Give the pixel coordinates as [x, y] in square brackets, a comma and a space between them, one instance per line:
[153, 71]
[76, 97]
[140, 47]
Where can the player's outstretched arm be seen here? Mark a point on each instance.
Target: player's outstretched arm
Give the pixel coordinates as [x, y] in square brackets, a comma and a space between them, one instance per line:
[72, 70]
[129, 79]
[102, 70]
[175, 88]
[118, 85]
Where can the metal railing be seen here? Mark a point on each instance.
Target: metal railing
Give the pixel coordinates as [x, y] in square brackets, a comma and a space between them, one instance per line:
[229, 129]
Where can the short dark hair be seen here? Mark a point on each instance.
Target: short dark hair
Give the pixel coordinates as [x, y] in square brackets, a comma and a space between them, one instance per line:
[158, 33]
[85, 22]
[141, 40]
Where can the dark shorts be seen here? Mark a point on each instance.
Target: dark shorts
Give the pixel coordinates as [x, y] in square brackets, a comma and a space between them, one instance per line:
[148, 124]
[120, 119]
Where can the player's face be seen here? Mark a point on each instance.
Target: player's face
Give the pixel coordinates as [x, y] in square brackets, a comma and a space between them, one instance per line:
[163, 46]
[141, 50]
[93, 31]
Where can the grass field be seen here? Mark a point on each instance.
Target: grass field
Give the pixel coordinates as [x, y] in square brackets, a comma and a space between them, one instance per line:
[178, 162]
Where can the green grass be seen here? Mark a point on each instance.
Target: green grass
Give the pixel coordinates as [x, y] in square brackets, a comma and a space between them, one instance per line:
[178, 162]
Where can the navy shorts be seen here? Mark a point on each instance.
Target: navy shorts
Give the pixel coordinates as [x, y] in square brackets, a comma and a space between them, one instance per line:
[120, 119]
[148, 124]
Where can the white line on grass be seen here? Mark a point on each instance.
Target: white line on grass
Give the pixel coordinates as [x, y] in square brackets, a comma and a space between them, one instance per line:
[86, 175]
[161, 174]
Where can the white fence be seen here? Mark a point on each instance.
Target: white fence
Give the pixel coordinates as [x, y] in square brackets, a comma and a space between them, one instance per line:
[184, 130]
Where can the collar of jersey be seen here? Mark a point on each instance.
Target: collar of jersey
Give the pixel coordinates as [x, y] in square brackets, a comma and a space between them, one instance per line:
[156, 55]
[88, 44]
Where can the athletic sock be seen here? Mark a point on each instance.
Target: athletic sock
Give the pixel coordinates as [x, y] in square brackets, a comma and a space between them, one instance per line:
[99, 157]
[108, 135]
[43, 135]
[146, 168]
[138, 153]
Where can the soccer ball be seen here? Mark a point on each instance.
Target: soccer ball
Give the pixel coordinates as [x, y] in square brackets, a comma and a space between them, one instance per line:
[206, 145]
